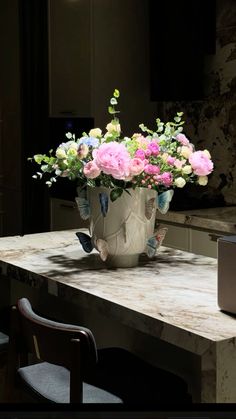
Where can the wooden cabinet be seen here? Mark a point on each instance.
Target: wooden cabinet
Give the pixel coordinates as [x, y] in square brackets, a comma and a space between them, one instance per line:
[69, 57]
[65, 215]
[191, 240]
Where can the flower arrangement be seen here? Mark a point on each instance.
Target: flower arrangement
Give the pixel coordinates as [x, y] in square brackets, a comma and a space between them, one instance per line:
[161, 160]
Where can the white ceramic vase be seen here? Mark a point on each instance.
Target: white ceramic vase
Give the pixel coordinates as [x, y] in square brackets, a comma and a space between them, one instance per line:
[127, 225]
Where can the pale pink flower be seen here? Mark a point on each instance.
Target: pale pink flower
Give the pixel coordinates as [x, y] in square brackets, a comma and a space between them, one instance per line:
[152, 169]
[91, 170]
[141, 140]
[201, 164]
[113, 159]
[179, 163]
[182, 139]
[170, 160]
[136, 166]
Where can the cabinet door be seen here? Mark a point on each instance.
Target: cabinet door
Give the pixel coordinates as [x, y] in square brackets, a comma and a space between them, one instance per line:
[202, 243]
[176, 237]
[65, 215]
[69, 57]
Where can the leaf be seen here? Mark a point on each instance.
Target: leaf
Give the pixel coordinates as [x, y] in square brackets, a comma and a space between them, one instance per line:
[116, 93]
[115, 193]
[111, 110]
[177, 119]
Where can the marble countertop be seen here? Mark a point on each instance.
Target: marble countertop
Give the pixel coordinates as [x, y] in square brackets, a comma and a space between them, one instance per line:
[176, 290]
[221, 219]
[172, 297]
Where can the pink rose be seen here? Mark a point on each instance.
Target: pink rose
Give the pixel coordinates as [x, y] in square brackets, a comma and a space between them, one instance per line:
[91, 170]
[201, 163]
[113, 159]
[166, 179]
[170, 160]
[151, 169]
[140, 154]
[136, 166]
[182, 139]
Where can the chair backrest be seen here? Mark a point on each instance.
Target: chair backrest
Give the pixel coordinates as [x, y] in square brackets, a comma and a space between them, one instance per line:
[71, 346]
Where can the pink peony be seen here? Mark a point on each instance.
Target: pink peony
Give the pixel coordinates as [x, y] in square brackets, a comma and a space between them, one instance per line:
[136, 166]
[91, 170]
[154, 148]
[182, 139]
[113, 159]
[152, 169]
[201, 163]
[166, 179]
[140, 154]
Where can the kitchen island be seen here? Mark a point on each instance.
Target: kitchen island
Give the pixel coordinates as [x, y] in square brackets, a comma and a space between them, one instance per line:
[172, 298]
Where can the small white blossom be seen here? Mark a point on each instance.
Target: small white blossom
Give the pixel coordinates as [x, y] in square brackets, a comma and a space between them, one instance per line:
[202, 180]
[180, 182]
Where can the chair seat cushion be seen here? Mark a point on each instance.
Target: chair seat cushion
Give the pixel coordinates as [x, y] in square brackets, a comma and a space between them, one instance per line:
[52, 382]
[4, 339]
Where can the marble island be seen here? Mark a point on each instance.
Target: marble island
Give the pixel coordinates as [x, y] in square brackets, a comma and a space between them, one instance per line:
[172, 297]
[221, 219]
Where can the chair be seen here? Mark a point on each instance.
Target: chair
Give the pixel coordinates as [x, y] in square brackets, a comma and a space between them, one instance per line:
[70, 369]
[4, 339]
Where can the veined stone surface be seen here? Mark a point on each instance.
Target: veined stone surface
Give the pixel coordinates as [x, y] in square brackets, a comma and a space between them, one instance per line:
[172, 297]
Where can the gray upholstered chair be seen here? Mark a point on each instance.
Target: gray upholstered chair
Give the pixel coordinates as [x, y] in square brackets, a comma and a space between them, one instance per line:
[69, 367]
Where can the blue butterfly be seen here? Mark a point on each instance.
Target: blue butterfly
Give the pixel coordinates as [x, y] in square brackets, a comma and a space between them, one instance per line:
[155, 241]
[85, 241]
[103, 197]
[163, 201]
[83, 205]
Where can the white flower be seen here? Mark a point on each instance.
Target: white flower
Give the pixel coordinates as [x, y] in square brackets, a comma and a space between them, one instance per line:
[186, 170]
[69, 135]
[206, 152]
[113, 128]
[72, 152]
[60, 153]
[185, 151]
[95, 132]
[164, 156]
[202, 180]
[180, 182]
[72, 144]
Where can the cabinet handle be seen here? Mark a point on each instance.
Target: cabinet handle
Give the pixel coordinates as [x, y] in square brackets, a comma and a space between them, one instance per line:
[68, 206]
[214, 237]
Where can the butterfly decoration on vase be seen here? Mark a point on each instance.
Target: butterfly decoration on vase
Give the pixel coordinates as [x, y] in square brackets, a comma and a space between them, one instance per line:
[163, 201]
[103, 198]
[155, 241]
[83, 205]
[88, 243]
